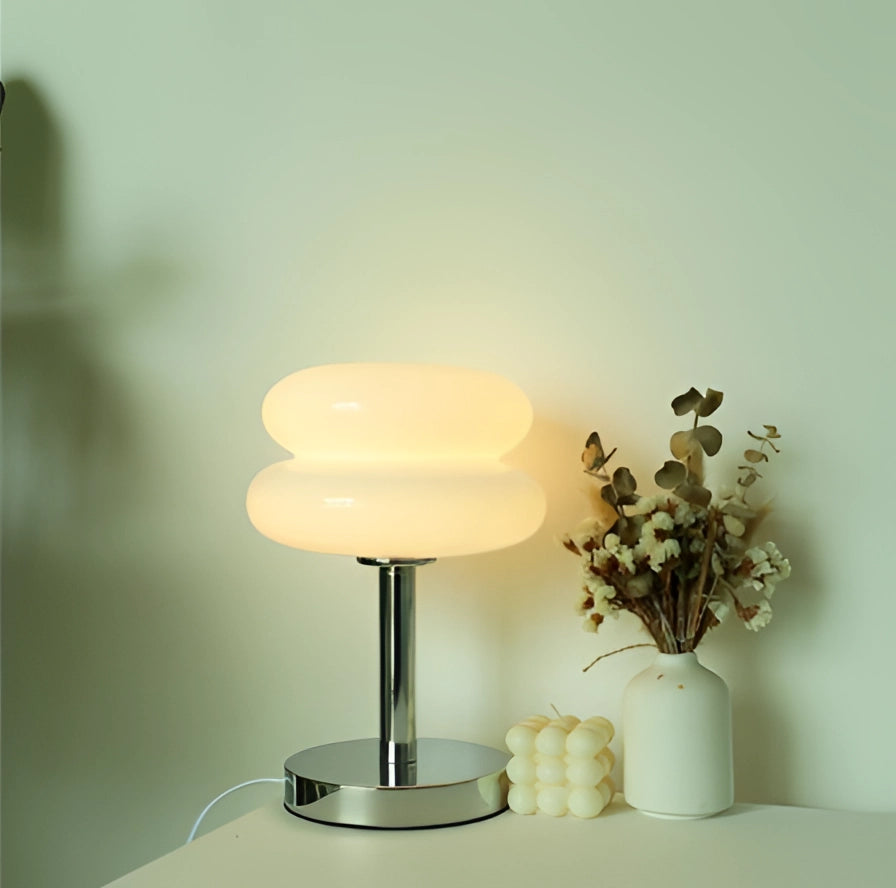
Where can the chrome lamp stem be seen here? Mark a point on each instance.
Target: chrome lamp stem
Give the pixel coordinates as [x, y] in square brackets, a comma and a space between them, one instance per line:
[398, 731]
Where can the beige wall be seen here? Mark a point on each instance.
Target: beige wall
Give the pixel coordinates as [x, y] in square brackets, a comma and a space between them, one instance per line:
[605, 202]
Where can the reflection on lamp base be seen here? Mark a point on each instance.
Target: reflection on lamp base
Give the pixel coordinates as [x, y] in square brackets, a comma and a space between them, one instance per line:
[341, 783]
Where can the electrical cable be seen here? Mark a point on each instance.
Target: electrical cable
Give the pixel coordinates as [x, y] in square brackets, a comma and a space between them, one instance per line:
[226, 792]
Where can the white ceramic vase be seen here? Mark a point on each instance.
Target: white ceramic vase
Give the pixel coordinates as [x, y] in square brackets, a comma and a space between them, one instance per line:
[676, 720]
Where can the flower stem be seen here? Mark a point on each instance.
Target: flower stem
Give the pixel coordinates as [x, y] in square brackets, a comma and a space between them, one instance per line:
[651, 615]
[695, 602]
[628, 647]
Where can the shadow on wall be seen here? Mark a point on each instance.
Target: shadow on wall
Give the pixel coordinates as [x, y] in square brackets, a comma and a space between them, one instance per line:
[71, 452]
[63, 437]
[766, 741]
[62, 426]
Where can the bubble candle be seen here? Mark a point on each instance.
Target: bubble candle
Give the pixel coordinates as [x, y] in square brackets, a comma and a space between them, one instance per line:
[560, 765]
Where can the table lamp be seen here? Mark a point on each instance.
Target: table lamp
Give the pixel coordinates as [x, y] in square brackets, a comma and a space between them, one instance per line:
[396, 464]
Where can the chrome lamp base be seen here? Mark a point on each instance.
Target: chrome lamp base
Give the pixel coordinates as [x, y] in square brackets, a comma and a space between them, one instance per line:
[349, 784]
[397, 781]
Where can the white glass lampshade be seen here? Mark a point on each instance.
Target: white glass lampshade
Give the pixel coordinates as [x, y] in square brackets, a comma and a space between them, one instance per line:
[396, 461]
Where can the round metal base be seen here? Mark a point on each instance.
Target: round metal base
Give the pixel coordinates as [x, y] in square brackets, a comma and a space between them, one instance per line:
[344, 783]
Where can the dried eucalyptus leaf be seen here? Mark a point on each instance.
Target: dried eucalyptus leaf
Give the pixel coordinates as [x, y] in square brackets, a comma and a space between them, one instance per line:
[593, 456]
[734, 526]
[748, 479]
[670, 475]
[687, 402]
[695, 494]
[710, 439]
[608, 495]
[738, 510]
[710, 403]
[755, 456]
[624, 481]
[628, 499]
[771, 431]
[682, 444]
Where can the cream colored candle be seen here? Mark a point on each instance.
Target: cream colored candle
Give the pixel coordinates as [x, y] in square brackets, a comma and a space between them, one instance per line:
[560, 766]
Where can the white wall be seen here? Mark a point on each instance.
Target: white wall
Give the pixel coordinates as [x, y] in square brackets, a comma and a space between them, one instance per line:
[605, 202]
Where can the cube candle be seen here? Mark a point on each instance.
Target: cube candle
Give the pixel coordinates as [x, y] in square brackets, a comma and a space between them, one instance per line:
[560, 766]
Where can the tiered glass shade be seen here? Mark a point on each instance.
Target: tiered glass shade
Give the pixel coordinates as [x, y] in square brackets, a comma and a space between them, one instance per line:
[397, 461]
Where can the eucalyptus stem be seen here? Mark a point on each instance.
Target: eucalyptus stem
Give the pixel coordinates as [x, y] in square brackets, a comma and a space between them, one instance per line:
[696, 598]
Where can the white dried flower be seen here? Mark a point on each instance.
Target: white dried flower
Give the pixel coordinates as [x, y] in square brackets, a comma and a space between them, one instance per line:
[626, 558]
[586, 531]
[613, 548]
[657, 551]
[758, 556]
[648, 504]
[600, 558]
[761, 618]
[769, 567]
[595, 584]
[647, 539]
[600, 591]
[778, 561]
[685, 515]
[670, 548]
[662, 521]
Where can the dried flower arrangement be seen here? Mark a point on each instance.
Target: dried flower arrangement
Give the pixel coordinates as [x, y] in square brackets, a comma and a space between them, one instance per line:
[681, 560]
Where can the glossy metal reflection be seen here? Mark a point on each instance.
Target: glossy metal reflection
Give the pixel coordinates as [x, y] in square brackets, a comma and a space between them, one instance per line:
[456, 782]
[397, 781]
[398, 732]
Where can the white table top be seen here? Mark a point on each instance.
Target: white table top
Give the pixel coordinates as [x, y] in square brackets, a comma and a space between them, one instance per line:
[750, 846]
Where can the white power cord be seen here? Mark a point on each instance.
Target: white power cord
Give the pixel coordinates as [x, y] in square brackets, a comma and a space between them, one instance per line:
[227, 792]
